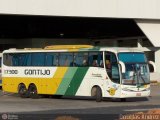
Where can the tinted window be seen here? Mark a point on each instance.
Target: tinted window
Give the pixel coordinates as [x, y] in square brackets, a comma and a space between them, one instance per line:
[65, 59]
[95, 59]
[38, 59]
[17, 59]
[51, 59]
[132, 57]
[112, 67]
[81, 59]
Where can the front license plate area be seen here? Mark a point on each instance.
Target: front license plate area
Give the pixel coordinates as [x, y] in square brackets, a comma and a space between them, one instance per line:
[138, 94]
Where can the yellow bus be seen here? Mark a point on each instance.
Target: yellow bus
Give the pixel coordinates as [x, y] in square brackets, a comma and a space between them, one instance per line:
[76, 70]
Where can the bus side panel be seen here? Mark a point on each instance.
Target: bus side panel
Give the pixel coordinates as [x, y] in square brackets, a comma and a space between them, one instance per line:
[76, 81]
[54, 82]
[94, 77]
[44, 85]
[66, 81]
[10, 84]
[6, 84]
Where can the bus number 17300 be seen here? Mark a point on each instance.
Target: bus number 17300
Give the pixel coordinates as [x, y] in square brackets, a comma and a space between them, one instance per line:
[10, 71]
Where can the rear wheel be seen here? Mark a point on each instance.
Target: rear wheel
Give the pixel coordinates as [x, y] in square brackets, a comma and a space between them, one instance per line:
[33, 91]
[22, 91]
[96, 93]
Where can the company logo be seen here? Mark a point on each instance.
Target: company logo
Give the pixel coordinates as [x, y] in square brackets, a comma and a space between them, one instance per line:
[9, 117]
[4, 116]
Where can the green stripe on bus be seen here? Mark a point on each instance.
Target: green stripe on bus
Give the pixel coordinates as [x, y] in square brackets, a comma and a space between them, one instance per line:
[76, 81]
[66, 80]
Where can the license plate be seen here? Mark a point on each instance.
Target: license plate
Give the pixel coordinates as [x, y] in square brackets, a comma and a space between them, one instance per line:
[138, 94]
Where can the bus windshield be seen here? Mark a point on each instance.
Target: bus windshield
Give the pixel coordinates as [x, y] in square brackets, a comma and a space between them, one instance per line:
[137, 72]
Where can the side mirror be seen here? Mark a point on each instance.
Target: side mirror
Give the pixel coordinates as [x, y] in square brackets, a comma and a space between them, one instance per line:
[123, 68]
[153, 65]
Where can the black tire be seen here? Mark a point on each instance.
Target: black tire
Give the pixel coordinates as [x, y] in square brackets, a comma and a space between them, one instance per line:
[96, 93]
[33, 93]
[22, 91]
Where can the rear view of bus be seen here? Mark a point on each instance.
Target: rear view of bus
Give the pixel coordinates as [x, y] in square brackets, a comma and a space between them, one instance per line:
[135, 78]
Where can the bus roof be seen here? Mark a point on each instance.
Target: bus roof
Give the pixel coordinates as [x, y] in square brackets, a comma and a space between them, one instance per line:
[65, 48]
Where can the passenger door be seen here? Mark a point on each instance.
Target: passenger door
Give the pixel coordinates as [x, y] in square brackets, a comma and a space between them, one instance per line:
[113, 72]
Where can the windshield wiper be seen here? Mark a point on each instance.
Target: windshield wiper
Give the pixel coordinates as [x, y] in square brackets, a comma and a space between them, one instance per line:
[142, 78]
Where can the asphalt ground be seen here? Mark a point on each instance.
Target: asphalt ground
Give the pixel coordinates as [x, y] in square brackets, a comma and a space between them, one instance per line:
[14, 107]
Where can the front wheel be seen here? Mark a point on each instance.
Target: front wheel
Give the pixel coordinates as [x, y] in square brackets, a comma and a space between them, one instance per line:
[96, 93]
[33, 91]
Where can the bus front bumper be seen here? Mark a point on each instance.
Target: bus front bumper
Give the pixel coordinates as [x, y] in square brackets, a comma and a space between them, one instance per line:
[131, 94]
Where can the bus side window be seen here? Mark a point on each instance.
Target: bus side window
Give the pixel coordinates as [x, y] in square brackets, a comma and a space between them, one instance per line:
[95, 59]
[38, 59]
[17, 59]
[81, 59]
[73, 64]
[7, 59]
[101, 64]
[108, 64]
[85, 60]
[51, 59]
[25, 59]
[65, 59]
[100, 59]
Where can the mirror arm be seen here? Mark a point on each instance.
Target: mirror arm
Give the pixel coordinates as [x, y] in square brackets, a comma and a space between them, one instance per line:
[123, 68]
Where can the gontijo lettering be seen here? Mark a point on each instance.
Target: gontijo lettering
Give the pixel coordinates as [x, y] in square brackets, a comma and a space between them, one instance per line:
[36, 72]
